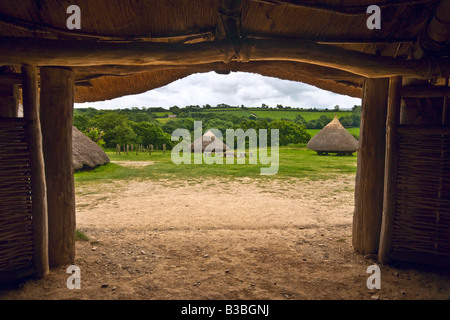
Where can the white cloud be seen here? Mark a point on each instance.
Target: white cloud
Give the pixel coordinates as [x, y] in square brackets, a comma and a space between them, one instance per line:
[236, 88]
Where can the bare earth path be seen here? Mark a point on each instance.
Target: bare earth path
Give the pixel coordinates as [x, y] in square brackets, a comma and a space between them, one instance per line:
[228, 240]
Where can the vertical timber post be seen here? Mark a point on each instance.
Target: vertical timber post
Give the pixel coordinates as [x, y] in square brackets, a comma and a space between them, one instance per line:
[39, 196]
[369, 187]
[9, 99]
[390, 175]
[57, 85]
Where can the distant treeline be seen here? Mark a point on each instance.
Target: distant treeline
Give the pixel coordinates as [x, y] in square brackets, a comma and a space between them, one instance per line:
[152, 126]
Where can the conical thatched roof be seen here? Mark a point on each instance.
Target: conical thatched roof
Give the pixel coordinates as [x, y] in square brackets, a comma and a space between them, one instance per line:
[333, 138]
[86, 153]
[209, 135]
[209, 139]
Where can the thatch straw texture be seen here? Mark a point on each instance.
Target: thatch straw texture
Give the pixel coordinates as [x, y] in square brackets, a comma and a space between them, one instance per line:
[86, 153]
[329, 22]
[333, 138]
[119, 83]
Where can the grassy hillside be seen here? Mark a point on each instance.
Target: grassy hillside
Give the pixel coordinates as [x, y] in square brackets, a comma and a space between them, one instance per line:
[261, 113]
[273, 114]
[307, 115]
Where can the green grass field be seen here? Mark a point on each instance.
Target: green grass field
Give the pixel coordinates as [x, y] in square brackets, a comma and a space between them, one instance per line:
[307, 115]
[162, 114]
[261, 113]
[293, 163]
[163, 120]
[233, 111]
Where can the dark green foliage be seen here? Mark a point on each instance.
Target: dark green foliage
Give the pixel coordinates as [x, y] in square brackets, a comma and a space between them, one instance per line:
[149, 133]
[151, 125]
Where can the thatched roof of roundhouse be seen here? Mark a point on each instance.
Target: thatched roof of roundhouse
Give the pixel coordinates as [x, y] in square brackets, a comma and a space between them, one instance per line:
[211, 141]
[129, 47]
[333, 138]
[86, 153]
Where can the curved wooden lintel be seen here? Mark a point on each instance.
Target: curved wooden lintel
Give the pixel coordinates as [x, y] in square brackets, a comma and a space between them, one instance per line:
[43, 52]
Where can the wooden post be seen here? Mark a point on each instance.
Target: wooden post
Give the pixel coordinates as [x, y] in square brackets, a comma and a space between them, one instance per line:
[150, 149]
[164, 149]
[39, 205]
[9, 99]
[390, 174]
[57, 86]
[370, 171]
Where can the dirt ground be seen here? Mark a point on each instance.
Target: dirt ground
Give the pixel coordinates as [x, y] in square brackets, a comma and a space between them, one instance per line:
[225, 240]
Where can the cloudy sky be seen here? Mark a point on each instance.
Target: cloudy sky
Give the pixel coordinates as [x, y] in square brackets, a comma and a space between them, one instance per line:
[236, 88]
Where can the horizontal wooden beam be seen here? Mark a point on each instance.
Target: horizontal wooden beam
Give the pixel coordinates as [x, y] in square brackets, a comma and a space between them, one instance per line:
[425, 92]
[324, 73]
[341, 9]
[421, 130]
[43, 52]
[10, 78]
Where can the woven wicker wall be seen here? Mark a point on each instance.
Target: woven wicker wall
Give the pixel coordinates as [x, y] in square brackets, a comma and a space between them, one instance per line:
[16, 234]
[422, 222]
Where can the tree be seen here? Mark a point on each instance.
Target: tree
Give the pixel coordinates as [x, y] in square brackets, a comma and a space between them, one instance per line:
[116, 128]
[175, 110]
[218, 124]
[300, 119]
[149, 133]
[95, 135]
[181, 123]
[319, 123]
[290, 132]
[80, 121]
[122, 134]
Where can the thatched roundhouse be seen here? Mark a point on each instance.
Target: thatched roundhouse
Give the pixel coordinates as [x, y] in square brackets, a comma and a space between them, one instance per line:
[400, 71]
[210, 140]
[86, 153]
[333, 138]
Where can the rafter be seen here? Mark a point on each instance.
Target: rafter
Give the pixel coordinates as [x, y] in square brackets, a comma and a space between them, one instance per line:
[40, 52]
